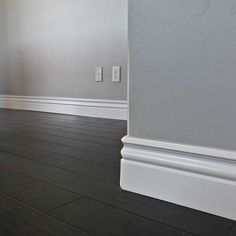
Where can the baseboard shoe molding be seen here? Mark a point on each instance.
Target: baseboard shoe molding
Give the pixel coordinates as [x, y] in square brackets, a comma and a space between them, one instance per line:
[111, 109]
[196, 177]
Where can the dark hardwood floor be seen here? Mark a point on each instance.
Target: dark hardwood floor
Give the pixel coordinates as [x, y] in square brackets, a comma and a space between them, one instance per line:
[59, 175]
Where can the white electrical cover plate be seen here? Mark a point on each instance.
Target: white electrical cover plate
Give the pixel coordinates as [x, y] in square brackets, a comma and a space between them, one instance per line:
[116, 74]
[98, 74]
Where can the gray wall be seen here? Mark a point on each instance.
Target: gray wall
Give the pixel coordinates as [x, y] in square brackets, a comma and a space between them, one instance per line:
[3, 58]
[183, 71]
[55, 45]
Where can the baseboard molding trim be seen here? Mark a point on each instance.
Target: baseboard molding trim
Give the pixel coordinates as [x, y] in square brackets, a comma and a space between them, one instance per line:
[111, 109]
[196, 177]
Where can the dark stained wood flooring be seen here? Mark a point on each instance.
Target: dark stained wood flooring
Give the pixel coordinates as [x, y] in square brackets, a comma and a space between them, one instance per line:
[59, 175]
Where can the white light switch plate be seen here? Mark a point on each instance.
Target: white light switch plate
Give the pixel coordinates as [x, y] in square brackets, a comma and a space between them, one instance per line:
[116, 74]
[98, 74]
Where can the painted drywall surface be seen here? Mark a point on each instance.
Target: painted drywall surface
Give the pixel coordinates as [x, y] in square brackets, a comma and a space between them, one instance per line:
[55, 45]
[183, 71]
[3, 58]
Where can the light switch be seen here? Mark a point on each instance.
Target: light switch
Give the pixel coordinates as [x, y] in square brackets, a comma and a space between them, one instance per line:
[99, 74]
[116, 74]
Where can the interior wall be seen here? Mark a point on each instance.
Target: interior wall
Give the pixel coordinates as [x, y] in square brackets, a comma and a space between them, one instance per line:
[55, 45]
[3, 56]
[183, 71]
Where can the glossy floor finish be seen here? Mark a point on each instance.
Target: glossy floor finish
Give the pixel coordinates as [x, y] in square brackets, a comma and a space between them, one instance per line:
[59, 175]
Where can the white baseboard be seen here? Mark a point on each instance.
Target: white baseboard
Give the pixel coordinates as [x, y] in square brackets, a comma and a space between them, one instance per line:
[111, 109]
[191, 176]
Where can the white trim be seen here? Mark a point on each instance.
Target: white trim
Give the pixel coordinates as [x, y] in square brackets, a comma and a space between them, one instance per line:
[190, 149]
[197, 177]
[112, 109]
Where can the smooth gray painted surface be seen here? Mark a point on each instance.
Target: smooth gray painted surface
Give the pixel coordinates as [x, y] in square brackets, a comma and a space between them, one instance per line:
[55, 45]
[183, 71]
[3, 58]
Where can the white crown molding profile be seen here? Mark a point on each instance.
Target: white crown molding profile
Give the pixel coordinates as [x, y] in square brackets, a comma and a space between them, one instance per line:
[112, 109]
[196, 177]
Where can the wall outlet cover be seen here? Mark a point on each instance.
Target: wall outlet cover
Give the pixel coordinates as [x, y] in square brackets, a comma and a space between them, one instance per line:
[99, 74]
[116, 74]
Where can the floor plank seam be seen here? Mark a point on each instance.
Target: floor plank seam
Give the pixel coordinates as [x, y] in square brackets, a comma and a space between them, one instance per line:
[64, 204]
[51, 153]
[78, 127]
[60, 168]
[44, 213]
[42, 181]
[78, 120]
[66, 155]
[26, 129]
[82, 148]
[82, 160]
[80, 140]
[21, 156]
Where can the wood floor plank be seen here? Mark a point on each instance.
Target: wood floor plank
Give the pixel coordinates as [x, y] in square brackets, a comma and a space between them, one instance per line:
[93, 124]
[109, 129]
[83, 154]
[10, 130]
[101, 148]
[93, 129]
[22, 150]
[101, 220]
[51, 175]
[94, 133]
[6, 122]
[14, 138]
[33, 192]
[107, 174]
[30, 122]
[110, 174]
[19, 220]
[79, 137]
[103, 133]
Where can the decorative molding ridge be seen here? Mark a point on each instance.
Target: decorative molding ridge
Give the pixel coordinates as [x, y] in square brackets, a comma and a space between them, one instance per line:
[196, 177]
[194, 159]
[184, 148]
[112, 109]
